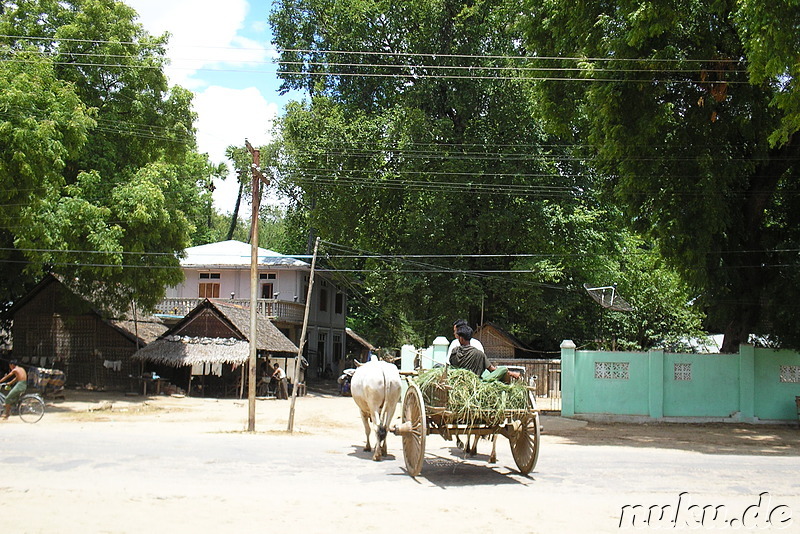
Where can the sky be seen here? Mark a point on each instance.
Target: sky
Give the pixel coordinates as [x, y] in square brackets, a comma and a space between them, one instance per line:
[221, 51]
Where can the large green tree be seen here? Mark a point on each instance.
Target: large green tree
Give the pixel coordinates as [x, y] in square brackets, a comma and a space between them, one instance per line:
[418, 139]
[100, 177]
[689, 112]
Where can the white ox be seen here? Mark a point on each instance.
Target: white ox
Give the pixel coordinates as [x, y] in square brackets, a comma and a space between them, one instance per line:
[375, 387]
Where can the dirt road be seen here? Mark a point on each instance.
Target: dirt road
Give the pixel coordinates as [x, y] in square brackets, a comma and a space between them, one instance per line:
[100, 463]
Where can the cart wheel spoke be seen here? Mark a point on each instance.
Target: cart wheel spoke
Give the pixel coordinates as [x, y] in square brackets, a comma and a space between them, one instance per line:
[525, 444]
[414, 441]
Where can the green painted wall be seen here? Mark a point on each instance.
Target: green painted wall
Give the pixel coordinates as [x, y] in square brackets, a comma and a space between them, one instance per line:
[713, 390]
[775, 399]
[740, 387]
[611, 395]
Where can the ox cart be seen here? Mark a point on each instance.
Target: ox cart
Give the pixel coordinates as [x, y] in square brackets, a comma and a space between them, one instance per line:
[419, 419]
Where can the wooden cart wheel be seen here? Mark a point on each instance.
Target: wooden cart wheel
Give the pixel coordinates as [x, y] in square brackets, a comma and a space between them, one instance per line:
[525, 443]
[414, 437]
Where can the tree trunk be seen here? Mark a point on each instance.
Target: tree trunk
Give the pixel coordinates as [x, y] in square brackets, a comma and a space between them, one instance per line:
[745, 316]
[235, 214]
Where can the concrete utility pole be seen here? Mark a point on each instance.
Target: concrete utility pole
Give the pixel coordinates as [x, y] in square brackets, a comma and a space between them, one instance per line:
[253, 361]
[296, 378]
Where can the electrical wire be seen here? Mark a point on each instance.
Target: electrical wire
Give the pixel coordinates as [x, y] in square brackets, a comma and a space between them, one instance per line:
[279, 50]
[332, 66]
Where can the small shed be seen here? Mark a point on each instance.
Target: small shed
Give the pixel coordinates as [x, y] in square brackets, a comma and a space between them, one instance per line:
[207, 351]
[54, 327]
[498, 343]
[357, 348]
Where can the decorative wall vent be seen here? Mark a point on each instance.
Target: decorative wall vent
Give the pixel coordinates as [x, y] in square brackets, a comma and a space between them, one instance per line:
[611, 370]
[790, 373]
[683, 371]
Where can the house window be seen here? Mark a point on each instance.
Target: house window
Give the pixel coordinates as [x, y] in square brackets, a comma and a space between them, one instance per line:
[337, 347]
[323, 300]
[338, 305]
[321, 340]
[208, 290]
[612, 370]
[267, 276]
[266, 291]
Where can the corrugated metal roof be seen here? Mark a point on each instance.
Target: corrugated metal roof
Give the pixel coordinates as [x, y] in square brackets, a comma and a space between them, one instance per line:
[234, 253]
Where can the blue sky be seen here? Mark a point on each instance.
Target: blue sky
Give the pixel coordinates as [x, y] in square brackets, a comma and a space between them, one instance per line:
[220, 50]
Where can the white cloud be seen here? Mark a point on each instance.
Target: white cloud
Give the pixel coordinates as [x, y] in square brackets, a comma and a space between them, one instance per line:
[206, 34]
[203, 33]
[228, 117]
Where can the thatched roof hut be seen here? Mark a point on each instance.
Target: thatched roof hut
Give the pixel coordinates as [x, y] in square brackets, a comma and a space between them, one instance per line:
[215, 332]
[146, 329]
[56, 327]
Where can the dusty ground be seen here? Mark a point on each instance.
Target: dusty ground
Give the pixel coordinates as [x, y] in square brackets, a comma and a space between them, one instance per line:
[314, 415]
[101, 462]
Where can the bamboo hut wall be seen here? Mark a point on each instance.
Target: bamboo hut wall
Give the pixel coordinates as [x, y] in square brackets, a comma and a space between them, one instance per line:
[495, 345]
[50, 332]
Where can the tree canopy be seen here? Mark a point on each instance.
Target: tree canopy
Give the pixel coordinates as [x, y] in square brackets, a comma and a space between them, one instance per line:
[689, 111]
[101, 180]
[421, 159]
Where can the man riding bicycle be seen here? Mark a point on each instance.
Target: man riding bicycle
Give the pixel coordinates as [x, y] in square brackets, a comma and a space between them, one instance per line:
[19, 378]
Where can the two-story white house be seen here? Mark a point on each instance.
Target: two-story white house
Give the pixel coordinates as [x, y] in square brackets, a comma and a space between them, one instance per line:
[222, 271]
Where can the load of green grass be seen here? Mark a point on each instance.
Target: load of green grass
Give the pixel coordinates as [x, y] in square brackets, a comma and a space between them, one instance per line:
[468, 399]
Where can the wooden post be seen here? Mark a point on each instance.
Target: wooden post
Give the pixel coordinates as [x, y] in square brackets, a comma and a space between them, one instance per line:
[252, 363]
[290, 428]
[241, 384]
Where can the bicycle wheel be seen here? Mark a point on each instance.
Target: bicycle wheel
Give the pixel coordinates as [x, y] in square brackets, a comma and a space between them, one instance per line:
[31, 409]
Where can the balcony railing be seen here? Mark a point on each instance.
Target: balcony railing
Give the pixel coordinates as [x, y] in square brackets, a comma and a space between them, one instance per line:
[277, 310]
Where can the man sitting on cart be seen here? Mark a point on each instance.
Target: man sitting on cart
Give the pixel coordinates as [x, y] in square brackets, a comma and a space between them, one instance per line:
[469, 357]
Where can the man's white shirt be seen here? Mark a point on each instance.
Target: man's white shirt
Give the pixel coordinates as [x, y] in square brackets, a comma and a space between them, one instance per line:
[474, 342]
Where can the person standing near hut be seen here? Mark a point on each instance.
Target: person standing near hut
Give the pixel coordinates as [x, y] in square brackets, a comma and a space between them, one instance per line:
[282, 391]
[19, 378]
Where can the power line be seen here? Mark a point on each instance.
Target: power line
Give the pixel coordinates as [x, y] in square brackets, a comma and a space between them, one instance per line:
[273, 49]
[167, 133]
[413, 76]
[433, 66]
[520, 71]
[364, 254]
[78, 251]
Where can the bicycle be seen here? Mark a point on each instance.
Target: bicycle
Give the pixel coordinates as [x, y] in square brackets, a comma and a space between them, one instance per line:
[30, 407]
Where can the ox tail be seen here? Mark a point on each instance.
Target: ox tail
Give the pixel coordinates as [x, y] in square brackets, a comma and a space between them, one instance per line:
[383, 426]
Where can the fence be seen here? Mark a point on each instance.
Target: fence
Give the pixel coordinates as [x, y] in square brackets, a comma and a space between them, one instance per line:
[753, 385]
[279, 309]
[548, 379]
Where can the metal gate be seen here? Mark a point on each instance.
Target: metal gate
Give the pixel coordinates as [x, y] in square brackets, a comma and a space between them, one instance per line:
[548, 379]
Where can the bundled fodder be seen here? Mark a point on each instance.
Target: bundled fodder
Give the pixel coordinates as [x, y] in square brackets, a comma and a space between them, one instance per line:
[468, 399]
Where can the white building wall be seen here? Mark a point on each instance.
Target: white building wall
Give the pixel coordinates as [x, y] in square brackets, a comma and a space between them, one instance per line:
[290, 284]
